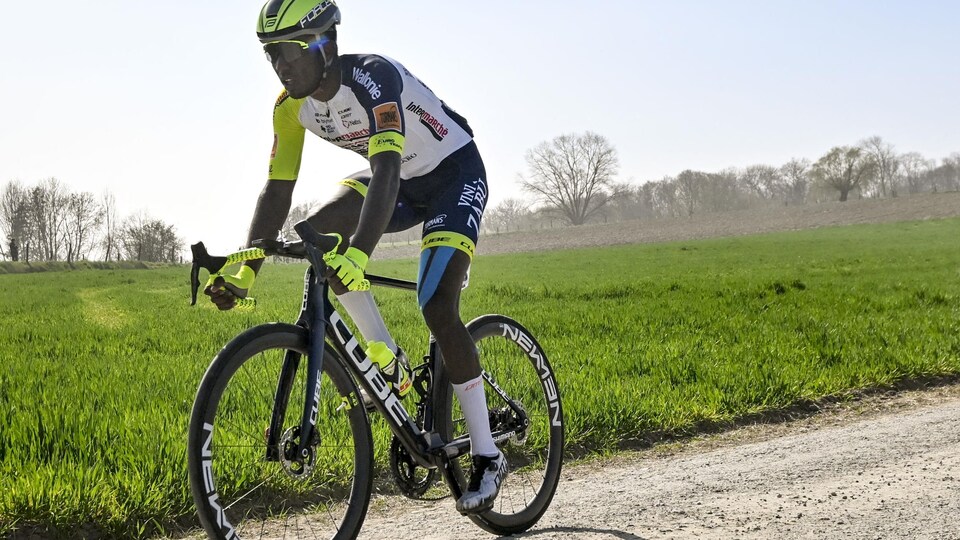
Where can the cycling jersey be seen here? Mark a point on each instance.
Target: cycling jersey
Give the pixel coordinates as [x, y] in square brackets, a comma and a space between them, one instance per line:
[380, 107]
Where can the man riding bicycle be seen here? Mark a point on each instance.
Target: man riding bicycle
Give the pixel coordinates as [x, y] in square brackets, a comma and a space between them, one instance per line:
[424, 168]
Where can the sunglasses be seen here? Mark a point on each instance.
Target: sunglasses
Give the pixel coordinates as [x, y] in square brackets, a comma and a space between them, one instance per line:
[291, 50]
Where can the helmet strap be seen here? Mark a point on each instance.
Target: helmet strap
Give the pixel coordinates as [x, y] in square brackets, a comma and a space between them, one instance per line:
[327, 61]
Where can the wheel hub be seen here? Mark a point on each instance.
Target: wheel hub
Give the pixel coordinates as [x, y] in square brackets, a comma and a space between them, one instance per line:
[298, 467]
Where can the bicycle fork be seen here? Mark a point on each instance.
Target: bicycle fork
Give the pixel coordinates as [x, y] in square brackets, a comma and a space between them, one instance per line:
[313, 320]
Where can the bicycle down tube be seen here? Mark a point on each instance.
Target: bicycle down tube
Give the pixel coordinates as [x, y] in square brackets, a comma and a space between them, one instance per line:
[318, 312]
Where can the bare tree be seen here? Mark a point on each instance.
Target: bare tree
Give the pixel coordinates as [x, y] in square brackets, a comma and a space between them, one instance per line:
[109, 240]
[845, 169]
[47, 203]
[510, 213]
[796, 177]
[951, 170]
[913, 171]
[83, 218]
[885, 163]
[665, 198]
[763, 181]
[690, 188]
[151, 240]
[628, 201]
[572, 174]
[14, 218]
[297, 214]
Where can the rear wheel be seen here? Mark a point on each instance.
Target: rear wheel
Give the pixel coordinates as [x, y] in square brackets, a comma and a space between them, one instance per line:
[512, 360]
[243, 488]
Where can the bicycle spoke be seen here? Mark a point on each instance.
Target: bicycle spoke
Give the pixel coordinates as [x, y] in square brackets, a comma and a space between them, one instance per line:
[519, 385]
[321, 495]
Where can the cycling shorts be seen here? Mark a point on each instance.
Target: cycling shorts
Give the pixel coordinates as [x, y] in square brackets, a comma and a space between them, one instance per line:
[448, 200]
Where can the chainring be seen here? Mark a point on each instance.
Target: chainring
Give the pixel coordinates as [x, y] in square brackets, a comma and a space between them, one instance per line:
[412, 479]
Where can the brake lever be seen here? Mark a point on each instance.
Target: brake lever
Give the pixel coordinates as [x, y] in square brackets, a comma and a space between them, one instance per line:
[202, 259]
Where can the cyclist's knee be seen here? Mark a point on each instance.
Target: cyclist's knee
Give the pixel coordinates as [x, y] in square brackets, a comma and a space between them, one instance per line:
[339, 215]
[440, 311]
[442, 270]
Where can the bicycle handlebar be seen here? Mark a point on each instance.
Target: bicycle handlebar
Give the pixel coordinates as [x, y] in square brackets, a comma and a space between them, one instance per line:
[215, 265]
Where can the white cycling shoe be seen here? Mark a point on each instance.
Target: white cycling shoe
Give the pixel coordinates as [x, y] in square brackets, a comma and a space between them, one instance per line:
[486, 476]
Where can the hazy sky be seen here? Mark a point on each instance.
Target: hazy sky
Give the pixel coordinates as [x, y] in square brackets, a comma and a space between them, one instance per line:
[168, 104]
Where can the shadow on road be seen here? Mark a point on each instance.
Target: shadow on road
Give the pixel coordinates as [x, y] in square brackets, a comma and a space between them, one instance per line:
[573, 531]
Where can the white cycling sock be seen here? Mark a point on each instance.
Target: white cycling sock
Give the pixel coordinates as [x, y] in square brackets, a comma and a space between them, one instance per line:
[363, 310]
[473, 402]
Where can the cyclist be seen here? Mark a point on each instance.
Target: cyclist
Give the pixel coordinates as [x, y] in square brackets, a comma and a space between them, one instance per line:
[424, 168]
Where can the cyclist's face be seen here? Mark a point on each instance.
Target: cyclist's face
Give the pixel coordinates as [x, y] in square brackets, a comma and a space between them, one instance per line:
[299, 69]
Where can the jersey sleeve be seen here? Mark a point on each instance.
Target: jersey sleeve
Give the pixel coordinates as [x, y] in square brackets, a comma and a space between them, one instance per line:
[378, 86]
[288, 135]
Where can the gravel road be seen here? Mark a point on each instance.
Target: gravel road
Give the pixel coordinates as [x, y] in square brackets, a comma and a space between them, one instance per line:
[885, 467]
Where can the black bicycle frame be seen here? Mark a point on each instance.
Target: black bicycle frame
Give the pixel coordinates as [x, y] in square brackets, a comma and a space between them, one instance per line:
[323, 323]
[320, 319]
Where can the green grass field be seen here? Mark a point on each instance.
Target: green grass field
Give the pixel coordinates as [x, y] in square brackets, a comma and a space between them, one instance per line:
[99, 367]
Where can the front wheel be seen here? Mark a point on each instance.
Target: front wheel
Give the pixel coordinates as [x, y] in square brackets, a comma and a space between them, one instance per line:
[514, 366]
[244, 487]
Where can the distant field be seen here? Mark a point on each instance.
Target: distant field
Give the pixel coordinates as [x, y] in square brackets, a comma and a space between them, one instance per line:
[648, 341]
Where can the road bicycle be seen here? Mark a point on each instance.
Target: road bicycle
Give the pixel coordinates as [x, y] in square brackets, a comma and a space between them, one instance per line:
[280, 443]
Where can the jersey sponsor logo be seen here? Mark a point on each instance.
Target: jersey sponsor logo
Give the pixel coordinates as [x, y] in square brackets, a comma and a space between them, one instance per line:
[352, 135]
[387, 143]
[276, 140]
[364, 79]
[460, 242]
[350, 123]
[359, 147]
[386, 116]
[437, 129]
[408, 158]
[474, 196]
[315, 12]
[435, 222]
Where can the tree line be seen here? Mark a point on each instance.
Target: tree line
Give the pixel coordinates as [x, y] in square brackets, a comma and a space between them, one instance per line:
[49, 222]
[572, 180]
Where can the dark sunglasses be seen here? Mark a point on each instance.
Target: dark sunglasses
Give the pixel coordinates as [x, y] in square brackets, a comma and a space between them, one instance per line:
[291, 50]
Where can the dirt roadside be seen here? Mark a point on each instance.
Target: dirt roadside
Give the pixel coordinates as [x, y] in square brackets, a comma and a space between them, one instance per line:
[883, 467]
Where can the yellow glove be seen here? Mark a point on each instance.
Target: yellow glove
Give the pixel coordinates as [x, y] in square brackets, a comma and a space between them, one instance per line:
[224, 290]
[349, 268]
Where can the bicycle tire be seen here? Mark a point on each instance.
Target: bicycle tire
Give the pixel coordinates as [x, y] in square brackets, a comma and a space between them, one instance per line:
[505, 347]
[237, 491]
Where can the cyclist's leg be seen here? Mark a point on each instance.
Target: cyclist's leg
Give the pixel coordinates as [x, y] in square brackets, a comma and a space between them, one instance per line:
[340, 214]
[450, 235]
[450, 232]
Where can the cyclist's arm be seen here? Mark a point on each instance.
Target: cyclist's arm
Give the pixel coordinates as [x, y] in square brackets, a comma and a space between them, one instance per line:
[380, 201]
[275, 199]
[272, 209]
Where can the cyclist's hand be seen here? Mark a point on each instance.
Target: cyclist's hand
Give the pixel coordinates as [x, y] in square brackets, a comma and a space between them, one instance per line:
[347, 268]
[224, 290]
